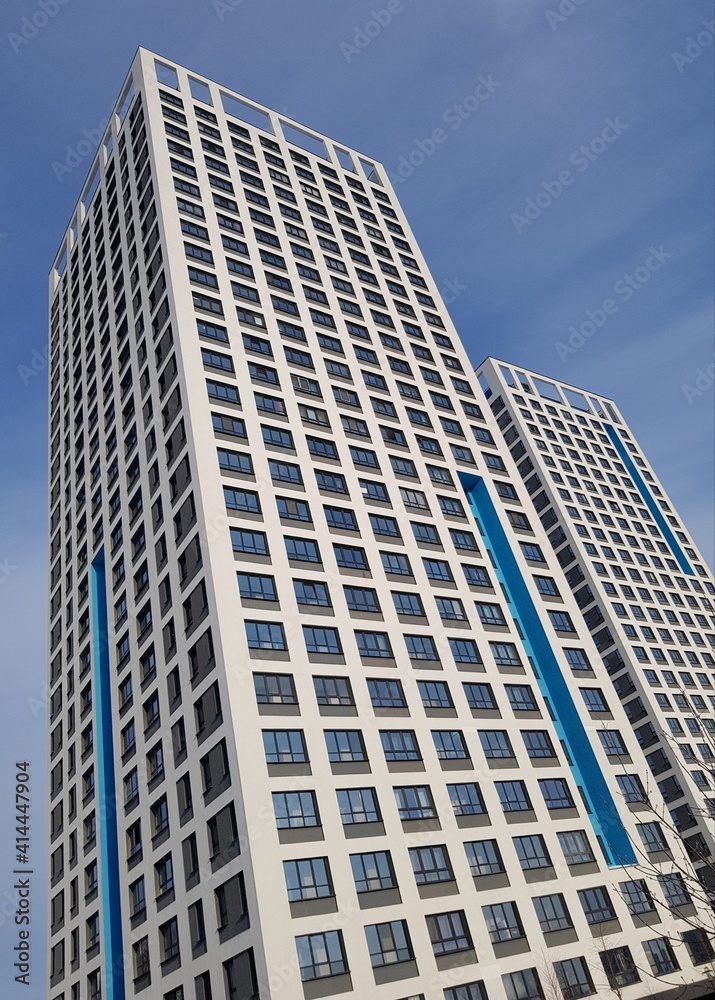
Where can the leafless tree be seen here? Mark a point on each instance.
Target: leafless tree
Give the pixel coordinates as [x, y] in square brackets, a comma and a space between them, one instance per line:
[650, 985]
[688, 863]
[547, 976]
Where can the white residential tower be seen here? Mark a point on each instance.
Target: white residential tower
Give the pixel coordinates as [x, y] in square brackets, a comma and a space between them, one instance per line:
[319, 721]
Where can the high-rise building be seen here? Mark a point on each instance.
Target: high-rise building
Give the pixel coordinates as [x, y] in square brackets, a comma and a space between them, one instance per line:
[643, 588]
[326, 716]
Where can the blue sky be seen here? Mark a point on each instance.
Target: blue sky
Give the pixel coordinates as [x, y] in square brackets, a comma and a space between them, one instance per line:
[516, 89]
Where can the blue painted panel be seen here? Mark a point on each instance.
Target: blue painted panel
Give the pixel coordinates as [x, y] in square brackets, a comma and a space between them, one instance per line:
[602, 810]
[109, 883]
[650, 501]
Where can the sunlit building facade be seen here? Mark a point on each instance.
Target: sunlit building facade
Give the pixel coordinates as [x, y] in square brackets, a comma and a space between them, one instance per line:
[319, 721]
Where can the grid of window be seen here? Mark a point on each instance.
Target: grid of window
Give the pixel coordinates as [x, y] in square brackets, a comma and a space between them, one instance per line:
[321, 955]
[388, 943]
[484, 857]
[503, 922]
[552, 913]
[449, 933]
[415, 802]
[532, 852]
[574, 978]
[358, 805]
[431, 864]
[308, 878]
[575, 847]
[346, 370]
[624, 551]
[373, 871]
[596, 903]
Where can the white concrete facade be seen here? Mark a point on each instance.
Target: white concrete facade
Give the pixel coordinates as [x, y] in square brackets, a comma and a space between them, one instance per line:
[341, 761]
[648, 597]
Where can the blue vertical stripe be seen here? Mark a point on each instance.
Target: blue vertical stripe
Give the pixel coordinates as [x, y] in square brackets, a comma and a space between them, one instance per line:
[109, 885]
[602, 811]
[649, 500]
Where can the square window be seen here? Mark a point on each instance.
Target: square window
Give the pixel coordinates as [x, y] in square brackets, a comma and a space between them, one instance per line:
[388, 943]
